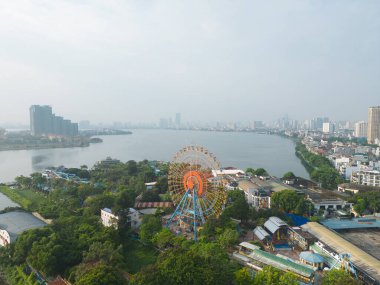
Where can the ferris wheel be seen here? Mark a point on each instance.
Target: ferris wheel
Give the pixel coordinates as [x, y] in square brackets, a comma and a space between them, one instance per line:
[194, 190]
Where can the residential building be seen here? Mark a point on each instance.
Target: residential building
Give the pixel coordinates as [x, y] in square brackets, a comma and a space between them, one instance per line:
[111, 220]
[108, 219]
[302, 239]
[328, 203]
[258, 198]
[373, 125]
[366, 177]
[255, 196]
[361, 129]
[328, 128]
[43, 123]
[178, 120]
[41, 120]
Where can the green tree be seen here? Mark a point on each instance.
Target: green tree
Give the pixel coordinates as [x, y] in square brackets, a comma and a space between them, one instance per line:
[250, 171]
[244, 277]
[149, 227]
[101, 275]
[164, 238]
[335, 276]
[228, 238]
[288, 175]
[261, 172]
[360, 206]
[239, 209]
[162, 184]
[150, 196]
[286, 200]
[272, 276]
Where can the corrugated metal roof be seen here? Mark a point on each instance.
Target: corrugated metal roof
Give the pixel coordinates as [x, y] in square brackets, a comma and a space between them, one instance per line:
[281, 263]
[359, 257]
[153, 205]
[274, 223]
[261, 233]
[278, 221]
[249, 245]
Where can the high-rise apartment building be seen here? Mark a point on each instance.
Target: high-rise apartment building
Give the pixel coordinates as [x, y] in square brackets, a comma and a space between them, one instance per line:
[178, 119]
[361, 129]
[373, 124]
[43, 122]
[328, 128]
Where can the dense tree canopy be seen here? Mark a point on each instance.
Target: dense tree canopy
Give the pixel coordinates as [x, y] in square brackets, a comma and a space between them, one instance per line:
[334, 276]
[290, 201]
[366, 201]
[201, 263]
[101, 274]
[319, 167]
[149, 227]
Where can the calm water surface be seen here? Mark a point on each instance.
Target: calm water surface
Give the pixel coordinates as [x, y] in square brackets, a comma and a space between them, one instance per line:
[242, 150]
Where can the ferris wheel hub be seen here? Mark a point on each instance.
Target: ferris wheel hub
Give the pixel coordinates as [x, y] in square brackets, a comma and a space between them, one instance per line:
[193, 180]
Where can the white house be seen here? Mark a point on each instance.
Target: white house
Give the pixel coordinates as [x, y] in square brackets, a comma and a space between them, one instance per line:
[111, 220]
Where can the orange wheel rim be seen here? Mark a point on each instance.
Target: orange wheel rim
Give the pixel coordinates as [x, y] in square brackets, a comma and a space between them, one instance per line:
[193, 178]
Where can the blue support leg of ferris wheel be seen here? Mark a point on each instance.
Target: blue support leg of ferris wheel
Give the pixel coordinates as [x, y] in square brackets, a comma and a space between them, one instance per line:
[178, 207]
[195, 212]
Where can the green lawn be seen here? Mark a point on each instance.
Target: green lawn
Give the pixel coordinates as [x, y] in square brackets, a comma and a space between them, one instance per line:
[26, 198]
[138, 255]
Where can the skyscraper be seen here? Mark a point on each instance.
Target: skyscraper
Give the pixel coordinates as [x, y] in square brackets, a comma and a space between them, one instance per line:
[361, 129]
[40, 120]
[373, 124]
[178, 119]
[44, 122]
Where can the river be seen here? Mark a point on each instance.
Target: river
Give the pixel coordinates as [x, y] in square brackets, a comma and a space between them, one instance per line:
[274, 153]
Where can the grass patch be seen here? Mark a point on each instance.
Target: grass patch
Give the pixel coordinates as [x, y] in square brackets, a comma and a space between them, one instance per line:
[138, 255]
[26, 198]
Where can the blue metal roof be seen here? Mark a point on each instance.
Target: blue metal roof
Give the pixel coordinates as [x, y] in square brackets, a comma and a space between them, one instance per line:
[311, 257]
[341, 224]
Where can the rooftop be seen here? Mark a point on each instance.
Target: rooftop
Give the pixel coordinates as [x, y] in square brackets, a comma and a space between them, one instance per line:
[274, 223]
[311, 257]
[261, 233]
[281, 263]
[359, 257]
[17, 222]
[358, 223]
[248, 245]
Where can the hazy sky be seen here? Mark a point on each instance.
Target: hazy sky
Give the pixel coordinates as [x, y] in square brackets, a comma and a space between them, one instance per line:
[105, 60]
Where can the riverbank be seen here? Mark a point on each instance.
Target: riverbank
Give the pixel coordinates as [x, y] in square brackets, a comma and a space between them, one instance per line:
[42, 146]
[319, 167]
[26, 198]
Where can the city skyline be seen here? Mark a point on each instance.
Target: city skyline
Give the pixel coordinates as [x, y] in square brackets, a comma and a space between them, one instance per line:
[211, 61]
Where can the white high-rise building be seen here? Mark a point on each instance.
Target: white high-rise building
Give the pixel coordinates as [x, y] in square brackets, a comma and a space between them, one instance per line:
[373, 124]
[328, 128]
[361, 129]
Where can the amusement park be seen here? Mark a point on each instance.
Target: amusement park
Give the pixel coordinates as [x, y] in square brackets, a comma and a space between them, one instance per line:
[199, 187]
[194, 218]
